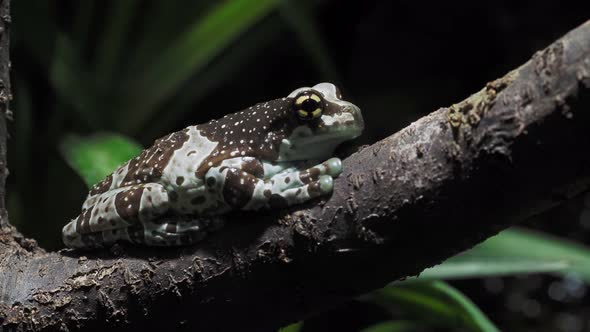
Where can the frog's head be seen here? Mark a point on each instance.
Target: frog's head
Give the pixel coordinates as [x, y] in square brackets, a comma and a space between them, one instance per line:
[308, 124]
[323, 121]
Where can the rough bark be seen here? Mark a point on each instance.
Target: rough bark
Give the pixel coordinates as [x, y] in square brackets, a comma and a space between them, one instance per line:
[439, 186]
[5, 97]
[9, 237]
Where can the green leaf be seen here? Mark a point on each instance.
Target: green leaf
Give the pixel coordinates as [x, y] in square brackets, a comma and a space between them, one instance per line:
[393, 326]
[470, 265]
[514, 251]
[204, 40]
[435, 303]
[528, 244]
[295, 327]
[96, 156]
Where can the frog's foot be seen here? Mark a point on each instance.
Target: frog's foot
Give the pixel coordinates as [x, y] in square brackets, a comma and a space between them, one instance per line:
[297, 179]
[172, 234]
[296, 195]
[296, 187]
[243, 190]
[113, 212]
[331, 167]
[175, 232]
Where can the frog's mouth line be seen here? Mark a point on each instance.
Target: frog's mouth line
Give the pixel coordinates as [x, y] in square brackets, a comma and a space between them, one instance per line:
[345, 134]
[350, 116]
[316, 147]
[336, 129]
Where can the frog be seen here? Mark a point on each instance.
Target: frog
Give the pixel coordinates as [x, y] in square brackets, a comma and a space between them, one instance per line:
[272, 155]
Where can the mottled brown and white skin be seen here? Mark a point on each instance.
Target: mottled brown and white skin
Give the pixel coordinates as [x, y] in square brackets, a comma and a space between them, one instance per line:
[264, 157]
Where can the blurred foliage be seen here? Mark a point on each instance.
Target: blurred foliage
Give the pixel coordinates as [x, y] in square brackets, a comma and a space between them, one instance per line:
[433, 303]
[514, 251]
[96, 156]
[95, 80]
[392, 326]
[295, 327]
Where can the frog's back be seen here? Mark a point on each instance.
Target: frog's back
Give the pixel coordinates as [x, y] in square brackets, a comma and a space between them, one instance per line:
[150, 166]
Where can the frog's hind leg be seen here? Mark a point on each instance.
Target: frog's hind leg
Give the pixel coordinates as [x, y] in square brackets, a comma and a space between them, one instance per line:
[112, 212]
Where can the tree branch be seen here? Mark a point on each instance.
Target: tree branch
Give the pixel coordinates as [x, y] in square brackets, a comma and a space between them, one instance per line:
[449, 180]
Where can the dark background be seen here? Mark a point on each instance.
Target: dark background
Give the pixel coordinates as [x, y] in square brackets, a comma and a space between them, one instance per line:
[397, 60]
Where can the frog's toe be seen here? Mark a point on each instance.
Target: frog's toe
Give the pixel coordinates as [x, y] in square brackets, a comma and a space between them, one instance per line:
[325, 184]
[180, 231]
[333, 166]
[320, 187]
[162, 238]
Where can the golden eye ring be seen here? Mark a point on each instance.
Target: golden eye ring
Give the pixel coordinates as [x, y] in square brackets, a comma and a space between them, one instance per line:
[308, 105]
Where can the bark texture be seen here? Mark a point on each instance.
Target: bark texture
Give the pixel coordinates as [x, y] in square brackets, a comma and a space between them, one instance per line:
[5, 97]
[10, 238]
[444, 183]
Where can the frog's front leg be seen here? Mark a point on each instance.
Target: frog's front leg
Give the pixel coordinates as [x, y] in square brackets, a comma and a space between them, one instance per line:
[111, 213]
[243, 190]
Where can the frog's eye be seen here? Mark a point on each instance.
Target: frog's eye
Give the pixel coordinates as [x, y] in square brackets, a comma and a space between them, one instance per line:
[308, 105]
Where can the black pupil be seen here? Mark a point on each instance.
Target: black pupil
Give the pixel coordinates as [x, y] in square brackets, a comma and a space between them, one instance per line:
[309, 105]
